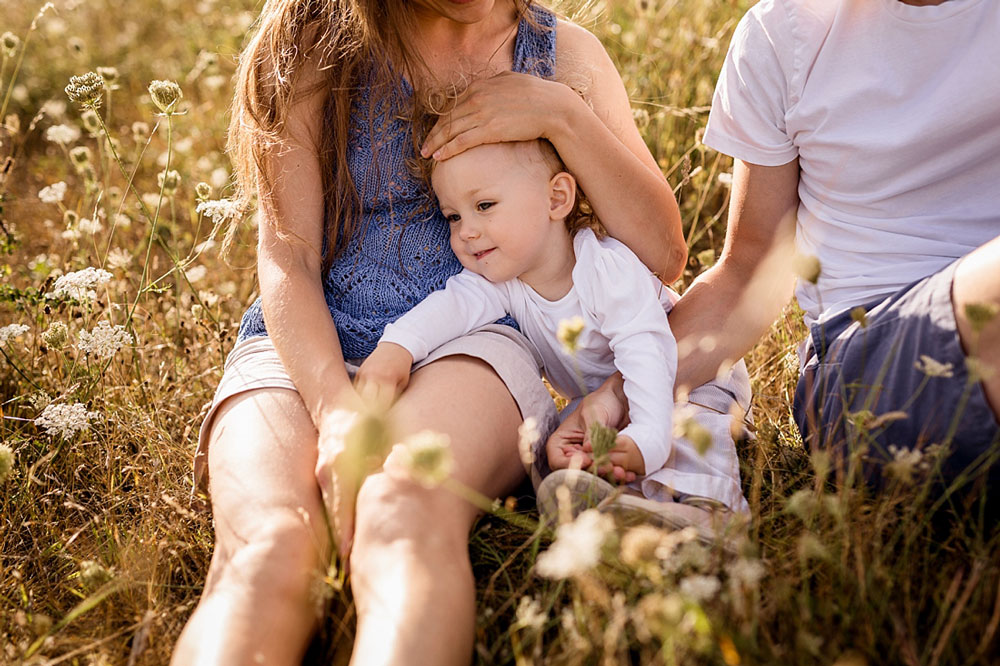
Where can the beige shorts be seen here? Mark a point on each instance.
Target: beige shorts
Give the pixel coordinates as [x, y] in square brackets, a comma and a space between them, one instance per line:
[254, 364]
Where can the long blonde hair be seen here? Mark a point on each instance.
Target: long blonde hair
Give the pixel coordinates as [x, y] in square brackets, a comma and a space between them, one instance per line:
[349, 39]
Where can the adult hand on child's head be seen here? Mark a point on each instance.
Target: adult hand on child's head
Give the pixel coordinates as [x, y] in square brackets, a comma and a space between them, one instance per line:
[506, 107]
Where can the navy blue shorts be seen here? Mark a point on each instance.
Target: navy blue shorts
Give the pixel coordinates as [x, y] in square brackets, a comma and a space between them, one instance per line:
[901, 373]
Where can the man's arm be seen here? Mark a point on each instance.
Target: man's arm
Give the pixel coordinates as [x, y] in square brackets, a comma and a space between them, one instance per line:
[733, 303]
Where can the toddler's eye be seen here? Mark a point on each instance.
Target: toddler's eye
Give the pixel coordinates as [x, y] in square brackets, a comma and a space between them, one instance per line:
[453, 218]
[484, 205]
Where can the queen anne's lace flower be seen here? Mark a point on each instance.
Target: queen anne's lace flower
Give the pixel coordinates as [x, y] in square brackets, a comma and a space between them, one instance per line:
[11, 331]
[105, 340]
[165, 95]
[219, 210]
[80, 285]
[56, 334]
[62, 134]
[577, 548]
[53, 193]
[86, 89]
[64, 420]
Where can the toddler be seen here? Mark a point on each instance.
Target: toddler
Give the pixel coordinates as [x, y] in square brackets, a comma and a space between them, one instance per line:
[516, 228]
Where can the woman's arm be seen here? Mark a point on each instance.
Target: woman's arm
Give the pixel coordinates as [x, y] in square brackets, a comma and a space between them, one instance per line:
[598, 143]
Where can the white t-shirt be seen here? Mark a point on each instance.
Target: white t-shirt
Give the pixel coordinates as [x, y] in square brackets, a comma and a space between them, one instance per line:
[623, 307]
[894, 113]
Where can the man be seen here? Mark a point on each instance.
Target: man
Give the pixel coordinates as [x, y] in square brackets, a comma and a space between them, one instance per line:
[877, 124]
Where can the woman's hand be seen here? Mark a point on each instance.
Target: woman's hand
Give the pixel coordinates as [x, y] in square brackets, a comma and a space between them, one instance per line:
[506, 107]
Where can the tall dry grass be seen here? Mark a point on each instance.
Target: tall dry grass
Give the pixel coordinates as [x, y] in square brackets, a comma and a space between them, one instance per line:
[104, 554]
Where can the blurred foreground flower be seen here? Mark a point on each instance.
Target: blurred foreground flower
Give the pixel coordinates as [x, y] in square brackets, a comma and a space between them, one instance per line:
[105, 340]
[569, 332]
[6, 462]
[80, 285]
[578, 545]
[527, 436]
[62, 134]
[427, 457]
[62, 420]
[93, 574]
[933, 368]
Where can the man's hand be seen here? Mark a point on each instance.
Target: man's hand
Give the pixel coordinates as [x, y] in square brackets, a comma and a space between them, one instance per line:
[384, 374]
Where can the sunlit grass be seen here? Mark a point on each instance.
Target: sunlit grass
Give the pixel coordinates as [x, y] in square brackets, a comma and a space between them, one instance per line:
[103, 551]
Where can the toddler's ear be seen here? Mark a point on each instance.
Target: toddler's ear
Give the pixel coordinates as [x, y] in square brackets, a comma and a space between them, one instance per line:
[562, 195]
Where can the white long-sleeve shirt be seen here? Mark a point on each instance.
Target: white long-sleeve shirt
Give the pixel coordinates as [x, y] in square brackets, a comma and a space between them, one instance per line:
[623, 307]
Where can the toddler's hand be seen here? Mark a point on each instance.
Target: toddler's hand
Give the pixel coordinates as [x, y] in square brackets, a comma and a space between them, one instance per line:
[626, 455]
[384, 374]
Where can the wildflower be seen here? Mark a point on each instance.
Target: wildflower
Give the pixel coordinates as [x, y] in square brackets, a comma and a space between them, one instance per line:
[62, 134]
[196, 273]
[933, 368]
[79, 156]
[88, 226]
[746, 573]
[86, 89]
[11, 331]
[6, 462]
[219, 210]
[694, 432]
[860, 315]
[168, 181]
[530, 614]
[578, 545]
[527, 437]
[80, 285]
[10, 42]
[64, 420]
[980, 314]
[428, 458]
[806, 267]
[700, 588]
[140, 131]
[53, 193]
[55, 335]
[165, 95]
[725, 179]
[105, 340]
[569, 332]
[208, 297]
[640, 544]
[110, 76]
[202, 191]
[93, 574]
[123, 221]
[119, 258]
[91, 121]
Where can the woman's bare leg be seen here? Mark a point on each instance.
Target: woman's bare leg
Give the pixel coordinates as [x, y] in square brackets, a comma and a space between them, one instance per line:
[270, 535]
[977, 281]
[410, 568]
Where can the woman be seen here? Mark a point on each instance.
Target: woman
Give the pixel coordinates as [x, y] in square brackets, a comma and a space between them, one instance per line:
[348, 243]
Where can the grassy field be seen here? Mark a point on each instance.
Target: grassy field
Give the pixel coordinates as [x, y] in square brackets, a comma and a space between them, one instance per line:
[103, 553]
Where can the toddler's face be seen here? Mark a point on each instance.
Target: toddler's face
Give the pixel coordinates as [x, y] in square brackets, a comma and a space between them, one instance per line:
[496, 199]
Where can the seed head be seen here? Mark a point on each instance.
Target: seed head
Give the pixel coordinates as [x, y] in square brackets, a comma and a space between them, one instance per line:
[70, 218]
[80, 156]
[91, 122]
[10, 43]
[110, 76]
[55, 335]
[806, 267]
[168, 181]
[86, 89]
[202, 191]
[165, 95]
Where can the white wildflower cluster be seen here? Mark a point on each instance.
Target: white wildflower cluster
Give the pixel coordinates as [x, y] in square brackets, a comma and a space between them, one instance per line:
[530, 614]
[578, 545]
[62, 134]
[745, 572]
[196, 273]
[80, 285]
[62, 420]
[105, 340]
[219, 210]
[88, 226]
[11, 331]
[527, 436]
[53, 193]
[907, 463]
[933, 368]
[119, 258]
[699, 587]
[428, 458]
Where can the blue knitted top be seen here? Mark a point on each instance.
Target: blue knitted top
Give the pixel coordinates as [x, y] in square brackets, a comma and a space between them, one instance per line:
[401, 251]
